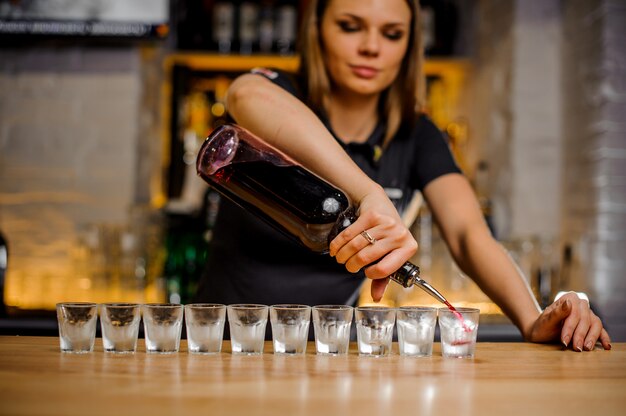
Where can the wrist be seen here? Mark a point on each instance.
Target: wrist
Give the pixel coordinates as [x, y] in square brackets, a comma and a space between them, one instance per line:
[527, 328]
[367, 189]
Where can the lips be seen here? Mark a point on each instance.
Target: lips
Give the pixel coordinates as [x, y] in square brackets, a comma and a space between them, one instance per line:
[363, 71]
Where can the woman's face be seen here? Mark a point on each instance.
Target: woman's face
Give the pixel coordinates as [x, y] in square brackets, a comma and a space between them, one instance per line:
[364, 42]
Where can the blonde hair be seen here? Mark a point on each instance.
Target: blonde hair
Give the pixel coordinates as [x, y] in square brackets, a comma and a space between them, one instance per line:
[398, 106]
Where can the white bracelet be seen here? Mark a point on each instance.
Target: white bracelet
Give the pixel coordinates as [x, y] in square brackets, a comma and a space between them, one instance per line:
[581, 295]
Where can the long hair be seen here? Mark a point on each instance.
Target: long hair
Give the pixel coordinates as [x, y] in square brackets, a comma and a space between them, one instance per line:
[400, 102]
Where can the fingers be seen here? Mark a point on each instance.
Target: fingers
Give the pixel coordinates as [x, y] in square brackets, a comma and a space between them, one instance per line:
[583, 327]
[359, 252]
[351, 237]
[549, 324]
[392, 247]
[570, 325]
[555, 314]
[378, 288]
[572, 320]
[387, 265]
[595, 331]
[581, 330]
[605, 339]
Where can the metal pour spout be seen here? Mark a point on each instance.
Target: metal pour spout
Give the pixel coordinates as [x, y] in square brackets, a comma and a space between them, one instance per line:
[426, 287]
[409, 275]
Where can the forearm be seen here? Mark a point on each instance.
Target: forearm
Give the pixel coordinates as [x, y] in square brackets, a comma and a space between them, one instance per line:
[486, 261]
[285, 122]
[477, 253]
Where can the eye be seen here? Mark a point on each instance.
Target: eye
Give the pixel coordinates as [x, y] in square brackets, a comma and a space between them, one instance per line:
[349, 26]
[393, 34]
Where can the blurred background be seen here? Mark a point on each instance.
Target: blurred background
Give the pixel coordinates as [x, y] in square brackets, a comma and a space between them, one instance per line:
[104, 103]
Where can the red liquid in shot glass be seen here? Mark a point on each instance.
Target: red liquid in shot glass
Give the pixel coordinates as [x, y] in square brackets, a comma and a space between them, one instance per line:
[460, 318]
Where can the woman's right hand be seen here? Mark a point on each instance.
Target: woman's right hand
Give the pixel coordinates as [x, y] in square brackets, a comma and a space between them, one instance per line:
[394, 244]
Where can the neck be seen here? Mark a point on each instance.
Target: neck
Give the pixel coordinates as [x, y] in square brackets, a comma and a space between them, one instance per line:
[353, 118]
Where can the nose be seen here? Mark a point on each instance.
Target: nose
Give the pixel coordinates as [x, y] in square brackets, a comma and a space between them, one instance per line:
[370, 43]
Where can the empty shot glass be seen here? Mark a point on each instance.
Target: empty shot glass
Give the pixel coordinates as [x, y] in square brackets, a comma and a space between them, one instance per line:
[290, 328]
[120, 326]
[416, 330]
[458, 332]
[374, 330]
[247, 324]
[77, 326]
[162, 323]
[331, 324]
[205, 327]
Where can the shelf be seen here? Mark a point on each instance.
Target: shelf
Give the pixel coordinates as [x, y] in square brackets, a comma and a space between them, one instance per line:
[216, 62]
[201, 61]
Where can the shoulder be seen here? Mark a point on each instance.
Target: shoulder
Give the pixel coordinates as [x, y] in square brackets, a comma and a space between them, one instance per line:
[286, 80]
[423, 128]
[419, 132]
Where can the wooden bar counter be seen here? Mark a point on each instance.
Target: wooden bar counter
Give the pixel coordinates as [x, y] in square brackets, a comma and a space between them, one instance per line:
[503, 379]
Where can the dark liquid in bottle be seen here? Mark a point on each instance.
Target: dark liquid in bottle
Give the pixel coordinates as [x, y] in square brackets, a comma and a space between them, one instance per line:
[290, 197]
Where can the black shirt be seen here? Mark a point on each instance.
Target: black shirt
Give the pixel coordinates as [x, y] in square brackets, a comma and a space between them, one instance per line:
[251, 262]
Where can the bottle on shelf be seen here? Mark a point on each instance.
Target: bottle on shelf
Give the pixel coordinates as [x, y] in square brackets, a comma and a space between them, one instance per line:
[266, 182]
[187, 249]
[286, 23]
[439, 26]
[248, 27]
[238, 26]
[223, 22]
[266, 27]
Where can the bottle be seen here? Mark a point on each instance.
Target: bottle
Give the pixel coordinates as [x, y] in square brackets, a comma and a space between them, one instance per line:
[440, 26]
[286, 23]
[266, 27]
[224, 26]
[266, 182]
[248, 27]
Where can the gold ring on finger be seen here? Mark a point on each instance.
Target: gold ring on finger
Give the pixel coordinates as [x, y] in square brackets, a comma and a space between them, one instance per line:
[368, 237]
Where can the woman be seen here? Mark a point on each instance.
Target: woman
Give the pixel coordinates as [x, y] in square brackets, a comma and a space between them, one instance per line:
[350, 116]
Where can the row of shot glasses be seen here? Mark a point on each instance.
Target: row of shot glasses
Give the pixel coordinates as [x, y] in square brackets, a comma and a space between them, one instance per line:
[204, 324]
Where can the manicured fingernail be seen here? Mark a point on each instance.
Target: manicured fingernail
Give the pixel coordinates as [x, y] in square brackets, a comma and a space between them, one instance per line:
[589, 346]
[610, 346]
[579, 349]
[565, 340]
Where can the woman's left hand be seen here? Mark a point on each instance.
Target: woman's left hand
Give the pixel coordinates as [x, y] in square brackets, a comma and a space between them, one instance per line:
[570, 320]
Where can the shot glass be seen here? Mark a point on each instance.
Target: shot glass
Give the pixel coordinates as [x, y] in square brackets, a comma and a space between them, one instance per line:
[205, 327]
[77, 326]
[416, 330]
[331, 324]
[290, 328]
[120, 326]
[247, 324]
[458, 332]
[162, 323]
[374, 330]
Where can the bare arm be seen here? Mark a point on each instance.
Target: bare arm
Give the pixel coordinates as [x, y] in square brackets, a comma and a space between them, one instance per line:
[480, 256]
[461, 222]
[282, 120]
